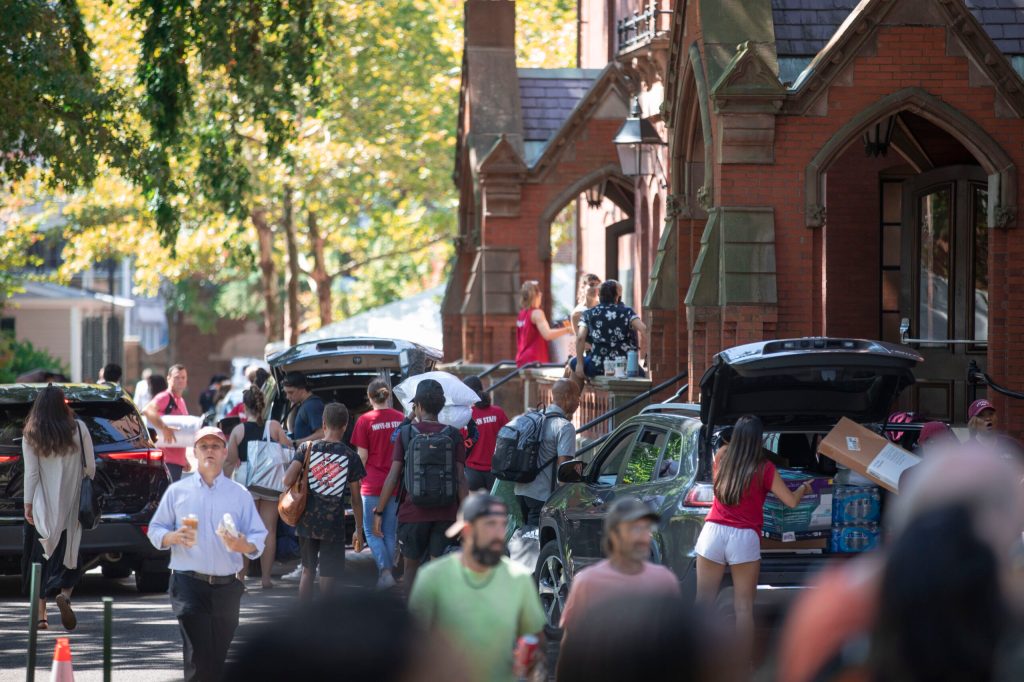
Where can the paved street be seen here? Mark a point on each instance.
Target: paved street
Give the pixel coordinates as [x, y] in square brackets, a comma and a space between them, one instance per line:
[147, 645]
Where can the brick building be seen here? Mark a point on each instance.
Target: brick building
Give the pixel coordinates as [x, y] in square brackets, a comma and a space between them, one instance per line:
[831, 168]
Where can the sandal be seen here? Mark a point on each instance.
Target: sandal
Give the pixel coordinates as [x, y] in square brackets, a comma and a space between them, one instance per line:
[67, 616]
[42, 624]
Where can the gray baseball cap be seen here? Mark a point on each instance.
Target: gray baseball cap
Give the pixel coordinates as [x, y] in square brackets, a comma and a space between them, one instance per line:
[627, 509]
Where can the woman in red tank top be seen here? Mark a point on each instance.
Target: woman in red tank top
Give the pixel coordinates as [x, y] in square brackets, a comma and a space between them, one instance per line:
[731, 535]
[532, 329]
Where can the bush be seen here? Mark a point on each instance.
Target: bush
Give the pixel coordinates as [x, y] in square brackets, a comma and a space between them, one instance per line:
[18, 357]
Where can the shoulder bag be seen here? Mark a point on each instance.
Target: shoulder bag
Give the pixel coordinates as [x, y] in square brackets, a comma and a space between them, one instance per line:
[267, 462]
[89, 499]
[291, 505]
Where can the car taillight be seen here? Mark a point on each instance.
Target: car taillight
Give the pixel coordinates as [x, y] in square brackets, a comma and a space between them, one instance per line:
[135, 456]
[7, 459]
[700, 495]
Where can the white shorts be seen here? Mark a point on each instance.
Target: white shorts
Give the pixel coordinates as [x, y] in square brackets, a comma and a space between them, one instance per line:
[728, 545]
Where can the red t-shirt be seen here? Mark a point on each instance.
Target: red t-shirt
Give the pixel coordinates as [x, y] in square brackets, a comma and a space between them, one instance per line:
[407, 511]
[489, 421]
[530, 345]
[749, 513]
[172, 455]
[373, 431]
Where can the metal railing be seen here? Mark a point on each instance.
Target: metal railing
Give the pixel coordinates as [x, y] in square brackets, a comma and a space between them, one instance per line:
[625, 406]
[976, 376]
[495, 367]
[519, 370]
[641, 26]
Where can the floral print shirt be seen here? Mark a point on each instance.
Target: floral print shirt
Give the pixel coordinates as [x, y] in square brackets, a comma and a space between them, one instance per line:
[609, 331]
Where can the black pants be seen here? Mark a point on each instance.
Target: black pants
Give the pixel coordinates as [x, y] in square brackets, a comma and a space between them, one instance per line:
[477, 480]
[208, 616]
[56, 576]
[531, 509]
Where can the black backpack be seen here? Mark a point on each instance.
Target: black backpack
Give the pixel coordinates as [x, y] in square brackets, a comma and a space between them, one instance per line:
[429, 475]
[517, 453]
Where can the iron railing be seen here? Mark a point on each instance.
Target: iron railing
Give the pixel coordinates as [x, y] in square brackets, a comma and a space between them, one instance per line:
[976, 376]
[641, 26]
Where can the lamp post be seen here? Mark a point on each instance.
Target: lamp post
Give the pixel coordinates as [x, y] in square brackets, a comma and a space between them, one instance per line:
[638, 145]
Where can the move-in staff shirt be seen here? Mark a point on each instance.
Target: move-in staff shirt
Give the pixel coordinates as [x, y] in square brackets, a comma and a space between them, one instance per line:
[609, 330]
[489, 421]
[209, 503]
[164, 407]
[373, 431]
[332, 466]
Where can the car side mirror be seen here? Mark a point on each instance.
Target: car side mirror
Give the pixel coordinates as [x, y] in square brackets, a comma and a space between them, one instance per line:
[571, 471]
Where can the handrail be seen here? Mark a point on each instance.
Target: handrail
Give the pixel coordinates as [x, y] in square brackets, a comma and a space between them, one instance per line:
[975, 375]
[511, 375]
[625, 406]
[495, 367]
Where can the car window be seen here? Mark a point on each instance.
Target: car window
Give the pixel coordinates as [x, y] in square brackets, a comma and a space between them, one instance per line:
[108, 422]
[678, 457]
[612, 457]
[644, 456]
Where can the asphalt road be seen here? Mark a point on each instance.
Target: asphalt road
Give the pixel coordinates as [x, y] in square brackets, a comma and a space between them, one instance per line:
[146, 640]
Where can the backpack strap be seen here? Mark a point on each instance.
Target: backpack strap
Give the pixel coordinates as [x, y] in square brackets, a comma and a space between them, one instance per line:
[171, 405]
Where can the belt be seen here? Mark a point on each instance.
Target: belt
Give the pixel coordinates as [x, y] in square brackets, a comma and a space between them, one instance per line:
[209, 579]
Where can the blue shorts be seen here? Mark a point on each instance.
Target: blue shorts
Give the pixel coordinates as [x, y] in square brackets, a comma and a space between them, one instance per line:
[589, 368]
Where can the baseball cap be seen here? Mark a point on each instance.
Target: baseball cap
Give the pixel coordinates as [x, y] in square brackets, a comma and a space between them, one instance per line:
[930, 430]
[210, 431]
[427, 389]
[979, 406]
[627, 509]
[476, 506]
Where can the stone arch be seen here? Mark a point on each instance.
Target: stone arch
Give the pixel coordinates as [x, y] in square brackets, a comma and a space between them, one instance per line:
[1002, 174]
[610, 172]
[694, 126]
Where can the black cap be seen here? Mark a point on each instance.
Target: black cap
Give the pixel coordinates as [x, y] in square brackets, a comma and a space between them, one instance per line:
[627, 509]
[476, 506]
[428, 389]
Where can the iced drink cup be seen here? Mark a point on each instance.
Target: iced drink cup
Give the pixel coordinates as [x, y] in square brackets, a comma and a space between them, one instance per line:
[191, 521]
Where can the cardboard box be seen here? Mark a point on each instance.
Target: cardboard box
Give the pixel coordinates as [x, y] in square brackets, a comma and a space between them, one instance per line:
[796, 536]
[812, 518]
[853, 504]
[852, 538]
[867, 453]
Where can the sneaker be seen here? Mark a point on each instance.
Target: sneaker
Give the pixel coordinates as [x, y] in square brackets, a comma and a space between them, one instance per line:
[386, 581]
[294, 575]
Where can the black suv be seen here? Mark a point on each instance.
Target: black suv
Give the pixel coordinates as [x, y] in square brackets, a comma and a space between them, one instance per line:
[341, 369]
[130, 476]
[800, 388]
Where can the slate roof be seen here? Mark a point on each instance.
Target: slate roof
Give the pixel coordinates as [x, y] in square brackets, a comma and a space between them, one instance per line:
[548, 96]
[803, 27]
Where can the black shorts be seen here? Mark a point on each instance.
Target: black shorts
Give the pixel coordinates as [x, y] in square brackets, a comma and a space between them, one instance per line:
[423, 538]
[330, 556]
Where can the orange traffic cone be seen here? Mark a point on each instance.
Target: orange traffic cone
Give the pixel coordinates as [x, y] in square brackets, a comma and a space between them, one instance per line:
[62, 671]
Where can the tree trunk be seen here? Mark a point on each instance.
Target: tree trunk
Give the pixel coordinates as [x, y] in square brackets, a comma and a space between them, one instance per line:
[292, 316]
[268, 275]
[320, 275]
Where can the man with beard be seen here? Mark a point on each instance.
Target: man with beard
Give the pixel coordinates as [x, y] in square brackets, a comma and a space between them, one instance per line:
[478, 598]
[626, 541]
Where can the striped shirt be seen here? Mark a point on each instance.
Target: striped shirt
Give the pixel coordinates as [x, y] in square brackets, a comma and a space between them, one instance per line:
[332, 467]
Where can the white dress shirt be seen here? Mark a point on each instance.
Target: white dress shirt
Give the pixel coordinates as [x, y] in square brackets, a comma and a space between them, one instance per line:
[209, 503]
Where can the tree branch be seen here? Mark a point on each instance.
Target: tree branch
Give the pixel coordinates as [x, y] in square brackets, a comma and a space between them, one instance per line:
[352, 266]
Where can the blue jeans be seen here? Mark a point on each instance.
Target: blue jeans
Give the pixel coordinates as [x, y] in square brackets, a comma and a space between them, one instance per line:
[589, 367]
[383, 548]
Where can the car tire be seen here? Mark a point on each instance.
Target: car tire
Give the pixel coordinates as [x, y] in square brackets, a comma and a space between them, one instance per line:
[116, 571]
[152, 581]
[552, 580]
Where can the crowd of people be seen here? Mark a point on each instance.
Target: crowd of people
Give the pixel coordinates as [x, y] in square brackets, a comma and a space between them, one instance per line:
[942, 600]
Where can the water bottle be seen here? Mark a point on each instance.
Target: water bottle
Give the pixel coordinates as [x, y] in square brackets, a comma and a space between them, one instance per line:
[632, 364]
[609, 367]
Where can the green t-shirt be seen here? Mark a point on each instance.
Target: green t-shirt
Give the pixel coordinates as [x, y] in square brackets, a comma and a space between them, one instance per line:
[483, 615]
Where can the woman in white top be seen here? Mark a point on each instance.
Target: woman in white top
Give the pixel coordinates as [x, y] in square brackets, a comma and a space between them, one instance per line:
[52, 446]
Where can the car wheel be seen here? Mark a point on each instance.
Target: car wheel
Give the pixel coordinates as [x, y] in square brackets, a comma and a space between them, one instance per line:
[552, 586]
[116, 571]
[148, 582]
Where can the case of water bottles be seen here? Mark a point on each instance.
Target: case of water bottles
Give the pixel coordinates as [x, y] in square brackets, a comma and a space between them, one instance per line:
[856, 512]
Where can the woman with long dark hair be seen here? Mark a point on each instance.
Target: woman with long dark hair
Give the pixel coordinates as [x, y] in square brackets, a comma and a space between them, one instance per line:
[53, 444]
[254, 428]
[731, 535]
